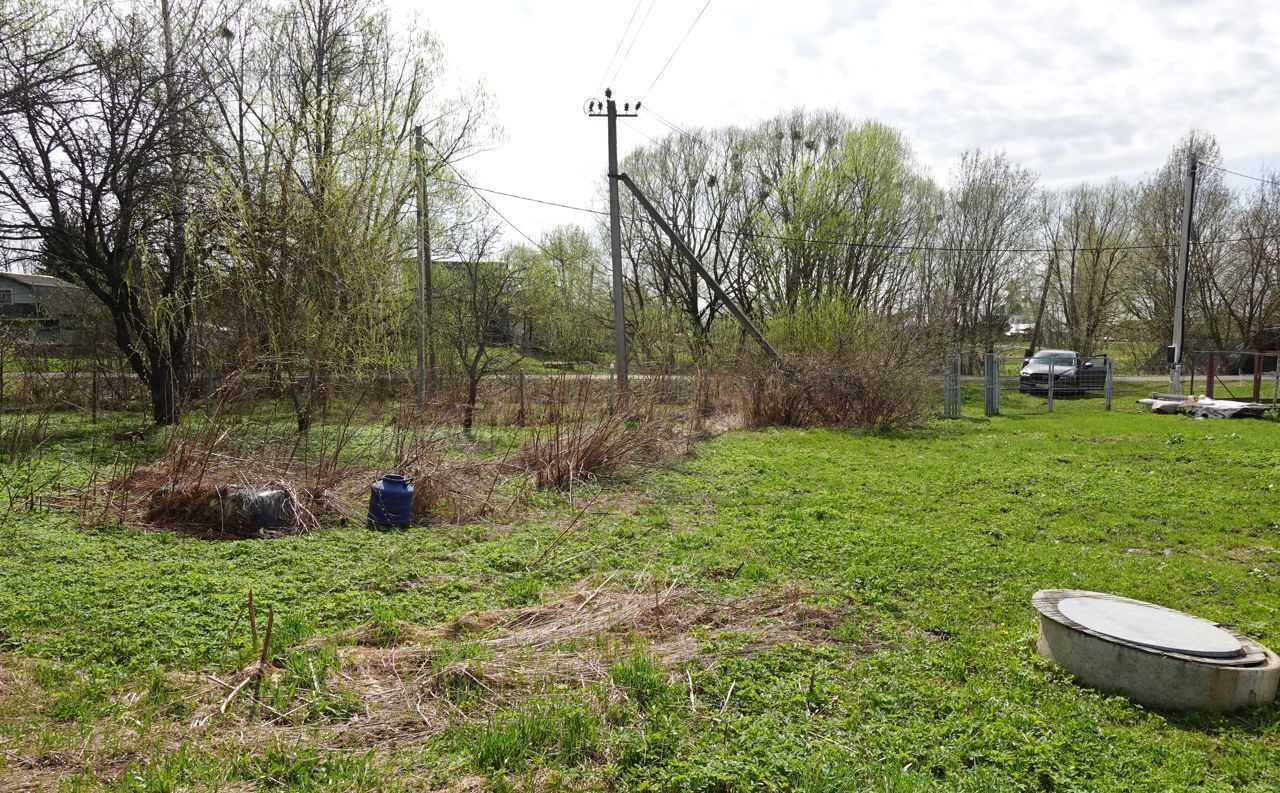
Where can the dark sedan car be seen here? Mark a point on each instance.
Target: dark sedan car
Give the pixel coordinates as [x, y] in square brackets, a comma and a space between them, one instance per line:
[1071, 373]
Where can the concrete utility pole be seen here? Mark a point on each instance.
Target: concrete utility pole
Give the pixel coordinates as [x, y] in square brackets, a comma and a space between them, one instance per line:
[1180, 288]
[424, 265]
[610, 111]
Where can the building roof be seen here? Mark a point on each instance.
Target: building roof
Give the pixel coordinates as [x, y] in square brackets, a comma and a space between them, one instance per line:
[36, 280]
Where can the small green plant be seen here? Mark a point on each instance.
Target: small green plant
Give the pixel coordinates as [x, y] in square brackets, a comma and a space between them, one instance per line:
[562, 730]
[523, 590]
[385, 629]
[641, 677]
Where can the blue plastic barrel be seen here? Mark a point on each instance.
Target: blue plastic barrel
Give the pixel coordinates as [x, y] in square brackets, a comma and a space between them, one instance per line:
[391, 501]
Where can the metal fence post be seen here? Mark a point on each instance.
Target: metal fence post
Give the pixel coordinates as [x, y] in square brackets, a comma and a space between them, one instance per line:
[1275, 387]
[951, 387]
[1110, 386]
[992, 369]
[946, 387]
[520, 414]
[1052, 364]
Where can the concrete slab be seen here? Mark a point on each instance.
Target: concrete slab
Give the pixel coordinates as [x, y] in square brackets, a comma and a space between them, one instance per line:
[1151, 626]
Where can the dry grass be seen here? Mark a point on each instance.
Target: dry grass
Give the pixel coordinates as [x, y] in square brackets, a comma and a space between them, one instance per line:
[413, 690]
[580, 451]
[573, 640]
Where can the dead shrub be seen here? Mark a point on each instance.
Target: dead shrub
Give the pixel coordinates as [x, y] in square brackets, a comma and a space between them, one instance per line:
[874, 375]
[201, 491]
[774, 398]
[452, 492]
[582, 451]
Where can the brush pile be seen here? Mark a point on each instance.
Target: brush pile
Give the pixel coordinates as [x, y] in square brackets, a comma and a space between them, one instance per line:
[221, 497]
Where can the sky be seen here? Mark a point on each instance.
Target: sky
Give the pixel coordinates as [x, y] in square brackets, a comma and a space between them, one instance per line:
[1075, 91]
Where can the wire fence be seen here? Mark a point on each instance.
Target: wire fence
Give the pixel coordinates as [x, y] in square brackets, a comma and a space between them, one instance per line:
[1011, 385]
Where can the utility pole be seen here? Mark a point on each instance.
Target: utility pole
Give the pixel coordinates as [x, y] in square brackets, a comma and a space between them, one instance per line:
[609, 109]
[1044, 295]
[424, 267]
[1180, 288]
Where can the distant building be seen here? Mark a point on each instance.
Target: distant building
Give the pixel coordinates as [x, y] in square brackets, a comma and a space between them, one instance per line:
[1018, 328]
[40, 307]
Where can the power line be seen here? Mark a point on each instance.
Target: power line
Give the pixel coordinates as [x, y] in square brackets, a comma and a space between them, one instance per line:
[676, 128]
[678, 46]
[618, 48]
[852, 244]
[496, 211]
[1237, 173]
[639, 132]
[634, 39]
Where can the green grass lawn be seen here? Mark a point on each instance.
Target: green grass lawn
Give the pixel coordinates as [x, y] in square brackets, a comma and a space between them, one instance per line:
[902, 656]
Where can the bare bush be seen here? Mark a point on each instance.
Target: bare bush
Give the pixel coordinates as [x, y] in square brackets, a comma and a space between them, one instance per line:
[582, 451]
[873, 375]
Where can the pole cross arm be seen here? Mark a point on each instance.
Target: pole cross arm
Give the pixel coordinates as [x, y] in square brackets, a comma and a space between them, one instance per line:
[684, 248]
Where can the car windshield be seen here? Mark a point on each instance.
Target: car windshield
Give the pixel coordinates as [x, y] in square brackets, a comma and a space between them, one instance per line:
[1056, 358]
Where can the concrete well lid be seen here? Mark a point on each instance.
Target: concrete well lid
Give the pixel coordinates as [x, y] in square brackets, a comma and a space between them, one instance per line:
[1151, 626]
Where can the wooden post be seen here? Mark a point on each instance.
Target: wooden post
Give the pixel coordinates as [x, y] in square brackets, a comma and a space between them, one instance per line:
[520, 415]
[93, 395]
[1210, 372]
[1257, 377]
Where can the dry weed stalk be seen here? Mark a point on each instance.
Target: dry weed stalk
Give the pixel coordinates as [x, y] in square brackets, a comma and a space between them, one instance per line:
[584, 451]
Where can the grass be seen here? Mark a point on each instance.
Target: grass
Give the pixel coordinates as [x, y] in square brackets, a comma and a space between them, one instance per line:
[924, 546]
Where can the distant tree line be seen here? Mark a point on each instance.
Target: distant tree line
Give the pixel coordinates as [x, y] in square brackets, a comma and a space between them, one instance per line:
[817, 206]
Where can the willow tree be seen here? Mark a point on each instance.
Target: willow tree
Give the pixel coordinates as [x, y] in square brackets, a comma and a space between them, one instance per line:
[319, 176]
[841, 204]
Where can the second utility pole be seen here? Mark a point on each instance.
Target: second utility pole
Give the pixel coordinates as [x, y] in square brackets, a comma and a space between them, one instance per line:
[1180, 287]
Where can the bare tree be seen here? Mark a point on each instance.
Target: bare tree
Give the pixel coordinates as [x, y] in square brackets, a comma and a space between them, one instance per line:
[1151, 275]
[987, 223]
[1245, 274]
[696, 181]
[477, 292]
[96, 172]
[1090, 232]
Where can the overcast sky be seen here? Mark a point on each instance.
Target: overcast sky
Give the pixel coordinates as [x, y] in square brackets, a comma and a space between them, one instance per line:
[1073, 90]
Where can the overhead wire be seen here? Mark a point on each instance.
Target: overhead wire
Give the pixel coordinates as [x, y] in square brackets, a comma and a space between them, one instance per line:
[618, 48]
[480, 194]
[639, 132]
[1272, 182]
[634, 39]
[854, 244]
[670, 57]
[676, 128]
